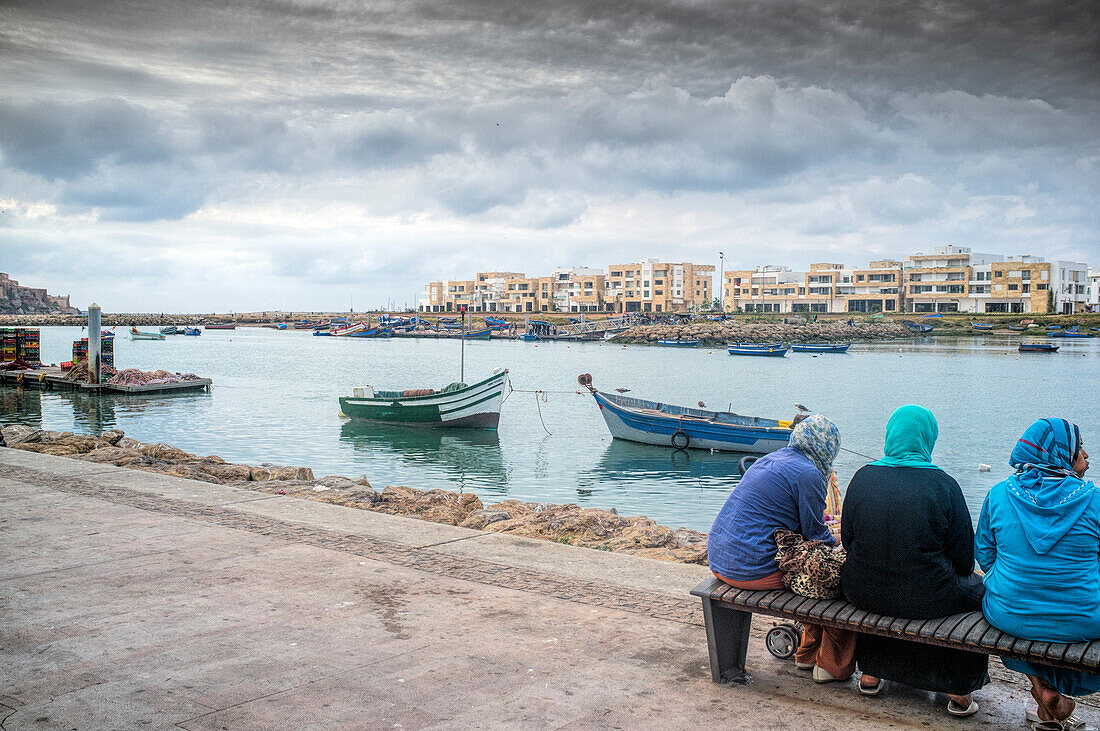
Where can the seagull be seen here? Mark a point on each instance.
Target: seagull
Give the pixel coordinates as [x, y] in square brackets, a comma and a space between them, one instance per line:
[800, 407]
[702, 405]
[622, 390]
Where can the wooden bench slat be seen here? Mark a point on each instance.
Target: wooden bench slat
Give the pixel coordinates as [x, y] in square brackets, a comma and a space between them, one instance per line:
[1021, 646]
[834, 610]
[977, 632]
[819, 610]
[943, 631]
[963, 628]
[1092, 654]
[846, 612]
[1076, 652]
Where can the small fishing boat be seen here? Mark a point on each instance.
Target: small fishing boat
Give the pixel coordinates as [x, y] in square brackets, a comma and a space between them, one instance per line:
[529, 337]
[323, 333]
[918, 327]
[1070, 334]
[681, 427]
[475, 406]
[222, 326]
[678, 343]
[496, 323]
[483, 334]
[1017, 328]
[1054, 327]
[1038, 348]
[821, 347]
[170, 330]
[192, 331]
[932, 316]
[982, 325]
[338, 332]
[136, 334]
[766, 349]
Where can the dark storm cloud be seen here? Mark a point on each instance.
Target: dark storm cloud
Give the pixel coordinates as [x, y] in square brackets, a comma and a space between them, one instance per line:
[816, 118]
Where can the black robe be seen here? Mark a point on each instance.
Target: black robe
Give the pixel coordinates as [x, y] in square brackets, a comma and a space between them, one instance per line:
[910, 546]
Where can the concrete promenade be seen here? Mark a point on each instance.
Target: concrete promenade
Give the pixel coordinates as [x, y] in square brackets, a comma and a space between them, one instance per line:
[133, 600]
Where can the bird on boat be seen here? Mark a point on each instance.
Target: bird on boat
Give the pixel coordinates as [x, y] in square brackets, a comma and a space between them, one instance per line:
[702, 405]
[622, 390]
[800, 407]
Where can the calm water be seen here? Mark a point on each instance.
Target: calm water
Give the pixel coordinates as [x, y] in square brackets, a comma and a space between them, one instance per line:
[275, 400]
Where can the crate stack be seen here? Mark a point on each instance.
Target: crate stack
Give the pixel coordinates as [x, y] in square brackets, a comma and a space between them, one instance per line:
[9, 348]
[28, 347]
[106, 350]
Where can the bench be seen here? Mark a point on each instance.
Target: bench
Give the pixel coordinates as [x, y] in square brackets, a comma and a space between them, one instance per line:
[728, 612]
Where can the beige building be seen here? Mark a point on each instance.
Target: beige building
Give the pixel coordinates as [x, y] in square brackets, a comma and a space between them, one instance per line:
[655, 286]
[956, 279]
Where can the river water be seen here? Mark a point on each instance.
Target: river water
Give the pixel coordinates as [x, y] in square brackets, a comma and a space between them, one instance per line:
[275, 394]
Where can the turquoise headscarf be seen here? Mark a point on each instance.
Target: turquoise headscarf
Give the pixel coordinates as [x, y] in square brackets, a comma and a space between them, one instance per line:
[911, 434]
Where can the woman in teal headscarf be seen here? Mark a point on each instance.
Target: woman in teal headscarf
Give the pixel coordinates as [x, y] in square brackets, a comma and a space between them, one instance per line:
[1039, 543]
[911, 554]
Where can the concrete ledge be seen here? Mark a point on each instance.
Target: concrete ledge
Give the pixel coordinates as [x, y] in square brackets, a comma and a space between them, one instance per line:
[133, 599]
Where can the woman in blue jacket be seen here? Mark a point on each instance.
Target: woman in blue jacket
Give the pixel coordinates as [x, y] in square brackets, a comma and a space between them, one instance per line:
[1038, 541]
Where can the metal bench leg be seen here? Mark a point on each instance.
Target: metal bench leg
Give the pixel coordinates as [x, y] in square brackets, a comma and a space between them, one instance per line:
[727, 641]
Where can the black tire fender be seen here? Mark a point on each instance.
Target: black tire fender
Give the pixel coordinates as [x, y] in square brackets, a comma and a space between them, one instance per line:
[680, 439]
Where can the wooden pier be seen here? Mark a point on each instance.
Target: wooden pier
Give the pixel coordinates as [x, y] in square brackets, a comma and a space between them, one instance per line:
[52, 378]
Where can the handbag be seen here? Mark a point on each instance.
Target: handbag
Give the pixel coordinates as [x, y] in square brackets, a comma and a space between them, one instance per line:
[810, 568]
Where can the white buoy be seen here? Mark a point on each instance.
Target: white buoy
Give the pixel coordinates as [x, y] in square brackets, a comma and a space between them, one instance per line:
[983, 467]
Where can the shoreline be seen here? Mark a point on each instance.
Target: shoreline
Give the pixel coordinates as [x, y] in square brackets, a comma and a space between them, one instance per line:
[596, 528]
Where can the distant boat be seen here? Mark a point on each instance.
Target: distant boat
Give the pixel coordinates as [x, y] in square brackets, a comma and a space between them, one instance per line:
[1054, 327]
[136, 334]
[1017, 328]
[170, 330]
[681, 427]
[766, 349]
[821, 348]
[474, 406]
[484, 334]
[919, 327]
[529, 337]
[338, 332]
[981, 325]
[936, 315]
[1038, 348]
[222, 326]
[1070, 334]
[679, 343]
[495, 323]
[192, 331]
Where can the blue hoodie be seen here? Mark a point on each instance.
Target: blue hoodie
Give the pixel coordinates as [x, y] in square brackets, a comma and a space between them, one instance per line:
[1038, 540]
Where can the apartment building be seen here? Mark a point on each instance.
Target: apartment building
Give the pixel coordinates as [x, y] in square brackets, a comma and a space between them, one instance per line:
[878, 288]
[1070, 285]
[956, 279]
[1094, 291]
[576, 289]
[768, 288]
[448, 296]
[651, 285]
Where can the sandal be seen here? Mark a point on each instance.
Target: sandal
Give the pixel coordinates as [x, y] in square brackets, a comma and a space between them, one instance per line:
[870, 689]
[959, 712]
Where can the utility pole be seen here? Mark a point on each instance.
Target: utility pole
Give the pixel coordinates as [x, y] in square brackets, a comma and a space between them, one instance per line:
[722, 282]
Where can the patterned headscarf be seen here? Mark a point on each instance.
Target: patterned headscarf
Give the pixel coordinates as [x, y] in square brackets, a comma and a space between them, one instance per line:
[1048, 445]
[818, 439]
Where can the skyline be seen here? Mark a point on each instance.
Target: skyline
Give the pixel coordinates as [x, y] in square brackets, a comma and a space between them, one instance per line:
[301, 155]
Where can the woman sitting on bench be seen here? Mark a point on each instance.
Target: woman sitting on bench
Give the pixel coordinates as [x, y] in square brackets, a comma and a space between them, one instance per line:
[785, 489]
[1038, 541]
[910, 548]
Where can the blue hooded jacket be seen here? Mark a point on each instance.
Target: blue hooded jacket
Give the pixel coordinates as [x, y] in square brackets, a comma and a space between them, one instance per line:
[1038, 540]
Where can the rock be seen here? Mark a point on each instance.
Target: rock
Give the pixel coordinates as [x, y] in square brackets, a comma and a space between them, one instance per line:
[113, 455]
[438, 506]
[164, 451]
[478, 519]
[128, 443]
[262, 474]
[20, 434]
[112, 436]
[223, 472]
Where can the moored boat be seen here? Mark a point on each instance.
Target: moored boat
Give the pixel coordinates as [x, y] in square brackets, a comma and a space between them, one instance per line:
[1017, 328]
[677, 342]
[351, 329]
[681, 427]
[192, 331]
[766, 349]
[136, 334]
[475, 406]
[483, 334]
[1070, 334]
[221, 326]
[528, 337]
[170, 330]
[1038, 348]
[821, 347]
[918, 327]
[982, 325]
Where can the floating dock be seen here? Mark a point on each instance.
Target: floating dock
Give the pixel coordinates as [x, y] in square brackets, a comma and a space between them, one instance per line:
[51, 378]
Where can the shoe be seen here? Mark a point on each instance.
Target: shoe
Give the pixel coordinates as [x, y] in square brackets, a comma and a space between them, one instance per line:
[870, 689]
[1032, 716]
[803, 665]
[959, 712]
[821, 675]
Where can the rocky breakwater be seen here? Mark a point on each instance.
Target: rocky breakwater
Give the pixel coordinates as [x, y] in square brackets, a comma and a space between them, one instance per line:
[720, 333]
[596, 528]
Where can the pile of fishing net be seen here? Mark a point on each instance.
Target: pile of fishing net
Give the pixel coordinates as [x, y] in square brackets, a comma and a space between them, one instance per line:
[79, 372]
[134, 377]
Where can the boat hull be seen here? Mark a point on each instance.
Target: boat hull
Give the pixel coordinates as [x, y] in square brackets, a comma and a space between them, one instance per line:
[646, 427]
[774, 350]
[821, 348]
[679, 343]
[1038, 348]
[474, 407]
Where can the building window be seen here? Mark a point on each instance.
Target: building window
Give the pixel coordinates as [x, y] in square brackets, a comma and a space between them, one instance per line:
[998, 274]
[1025, 275]
[1013, 287]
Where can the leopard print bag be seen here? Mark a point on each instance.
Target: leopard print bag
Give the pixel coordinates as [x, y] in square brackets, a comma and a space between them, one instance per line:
[810, 568]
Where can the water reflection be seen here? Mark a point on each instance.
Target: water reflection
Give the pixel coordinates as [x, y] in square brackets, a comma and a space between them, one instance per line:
[630, 462]
[461, 454]
[21, 406]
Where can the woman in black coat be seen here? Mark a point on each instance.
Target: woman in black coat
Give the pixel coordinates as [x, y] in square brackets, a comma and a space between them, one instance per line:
[910, 544]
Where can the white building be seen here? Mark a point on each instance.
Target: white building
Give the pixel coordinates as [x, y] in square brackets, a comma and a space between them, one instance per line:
[1094, 290]
[1070, 283]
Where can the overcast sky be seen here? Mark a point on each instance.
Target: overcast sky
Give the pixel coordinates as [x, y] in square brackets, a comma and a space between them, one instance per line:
[311, 154]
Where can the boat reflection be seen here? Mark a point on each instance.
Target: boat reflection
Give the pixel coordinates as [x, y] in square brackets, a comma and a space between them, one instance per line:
[470, 457]
[630, 462]
[20, 406]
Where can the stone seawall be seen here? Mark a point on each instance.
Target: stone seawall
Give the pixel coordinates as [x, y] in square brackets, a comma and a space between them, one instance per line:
[720, 333]
[588, 527]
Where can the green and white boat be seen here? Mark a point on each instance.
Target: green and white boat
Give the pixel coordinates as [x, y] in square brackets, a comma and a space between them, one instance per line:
[475, 406]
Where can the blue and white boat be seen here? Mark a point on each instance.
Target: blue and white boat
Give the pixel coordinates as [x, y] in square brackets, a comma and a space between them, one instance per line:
[680, 427]
[1070, 334]
[192, 331]
[1038, 348]
[981, 325]
[918, 327]
[529, 337]
[821, 347]
[766, 349]
[934, 315]
[676, 342]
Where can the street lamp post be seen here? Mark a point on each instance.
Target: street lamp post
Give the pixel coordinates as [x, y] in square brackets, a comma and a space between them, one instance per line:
[722, 282]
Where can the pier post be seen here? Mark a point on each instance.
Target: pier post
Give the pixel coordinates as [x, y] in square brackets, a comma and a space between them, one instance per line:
[95, 316]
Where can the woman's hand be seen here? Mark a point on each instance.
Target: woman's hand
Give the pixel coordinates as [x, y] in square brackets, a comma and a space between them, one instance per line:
[834, 528]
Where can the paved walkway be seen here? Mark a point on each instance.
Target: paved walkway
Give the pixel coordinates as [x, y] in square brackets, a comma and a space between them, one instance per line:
[136, 600]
